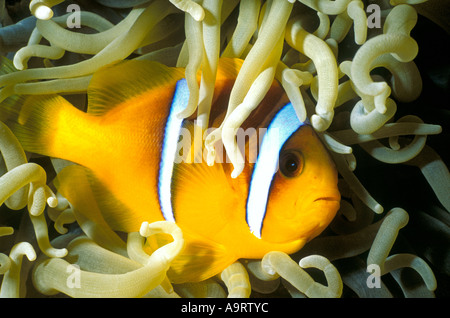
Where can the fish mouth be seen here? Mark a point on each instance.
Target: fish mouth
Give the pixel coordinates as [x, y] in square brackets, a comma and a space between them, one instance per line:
[331, 198]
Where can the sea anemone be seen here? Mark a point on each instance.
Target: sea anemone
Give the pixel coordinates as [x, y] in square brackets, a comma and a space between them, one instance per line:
[351, 67]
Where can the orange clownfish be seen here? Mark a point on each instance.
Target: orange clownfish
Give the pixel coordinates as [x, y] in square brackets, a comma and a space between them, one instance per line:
[124, 147]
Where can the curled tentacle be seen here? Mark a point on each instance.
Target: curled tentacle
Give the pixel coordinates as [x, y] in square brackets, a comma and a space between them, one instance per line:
[252, 69]
[41, 231]
[246, 27]
[261, 281]
[28, 173]
[51, 275]
[281, 264]
[327, 6]
[11, 281]
[378, 254]
[5, 261]
[365, 123]
[254, 96]
[118, 49]
[325, 63]
[65, 217]
[340, 26]
[14, 156]
[191, 7]
[395, 40]
[436, 173]
[324, 25]
[194, 41]
[41, 9]
[397, 155]
[236, 279]
[355, 184]
[356, 12]
[291, 80]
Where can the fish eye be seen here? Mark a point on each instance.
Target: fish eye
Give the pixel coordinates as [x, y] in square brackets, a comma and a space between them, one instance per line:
[291, 163]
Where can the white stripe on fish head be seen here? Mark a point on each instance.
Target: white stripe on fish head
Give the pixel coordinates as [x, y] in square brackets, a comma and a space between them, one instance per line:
[282, 126]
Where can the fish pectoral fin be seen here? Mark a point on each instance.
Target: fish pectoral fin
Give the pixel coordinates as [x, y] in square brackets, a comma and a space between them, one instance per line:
[113, 212]
[73, 184]
[199, 260]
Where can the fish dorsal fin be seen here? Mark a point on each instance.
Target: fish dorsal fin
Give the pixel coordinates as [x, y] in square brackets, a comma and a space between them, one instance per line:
[121, 82]
[228, 68]
[124, 81]
[227, 71]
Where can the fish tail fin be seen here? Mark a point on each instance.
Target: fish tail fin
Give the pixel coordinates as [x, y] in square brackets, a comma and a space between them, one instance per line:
[37, 123]
[36, 120]
[9, 107]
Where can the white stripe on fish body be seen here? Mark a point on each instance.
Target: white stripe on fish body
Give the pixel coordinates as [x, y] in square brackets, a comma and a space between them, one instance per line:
[169, 148]
[282, 126]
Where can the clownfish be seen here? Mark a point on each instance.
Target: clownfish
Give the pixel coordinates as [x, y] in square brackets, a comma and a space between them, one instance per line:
[124, 148]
